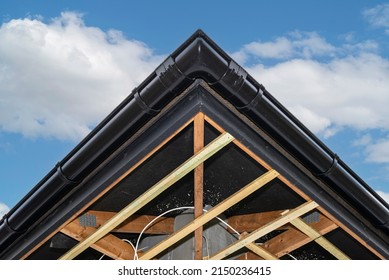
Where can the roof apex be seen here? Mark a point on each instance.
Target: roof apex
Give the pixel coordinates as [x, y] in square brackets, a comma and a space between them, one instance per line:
[198, 57]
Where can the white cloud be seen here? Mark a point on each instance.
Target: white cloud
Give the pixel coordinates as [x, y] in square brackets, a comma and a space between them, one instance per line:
[378, 151]
[59, 79]
[378, 16]
[350, 90]
[3, 209]
[384, 195]
[365, 140]
[295, 44]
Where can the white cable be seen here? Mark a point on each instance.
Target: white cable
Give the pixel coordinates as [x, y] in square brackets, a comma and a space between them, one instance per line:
[206, 245]
[292, 257]
[225, 223]
[151, 222]
[125, 240]
[129, 242]
[166, 212]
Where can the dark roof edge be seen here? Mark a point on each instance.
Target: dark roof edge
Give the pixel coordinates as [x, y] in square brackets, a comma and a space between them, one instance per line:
[198, 57]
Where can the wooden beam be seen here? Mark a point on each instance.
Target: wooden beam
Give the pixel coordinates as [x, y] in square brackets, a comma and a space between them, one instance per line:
[109, 245]
[251, 237]
[258, 249]
[150, 194]
[198, 144]
[135, 223]
[206, 217]
[250, 222]
[293, 239]
[249, 256]
[319, 239]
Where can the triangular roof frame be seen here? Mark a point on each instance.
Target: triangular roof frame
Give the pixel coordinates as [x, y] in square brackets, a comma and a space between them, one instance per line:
[199, 68]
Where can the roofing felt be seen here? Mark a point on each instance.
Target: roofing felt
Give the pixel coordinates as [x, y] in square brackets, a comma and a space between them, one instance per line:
[198, 76]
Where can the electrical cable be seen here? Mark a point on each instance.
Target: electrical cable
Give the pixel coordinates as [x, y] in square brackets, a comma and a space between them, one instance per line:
[152, 221]
[206, 245]
[168, 211]
[125, 240]
[292, 257]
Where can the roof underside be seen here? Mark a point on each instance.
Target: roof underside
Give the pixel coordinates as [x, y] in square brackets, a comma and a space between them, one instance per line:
[133, 150]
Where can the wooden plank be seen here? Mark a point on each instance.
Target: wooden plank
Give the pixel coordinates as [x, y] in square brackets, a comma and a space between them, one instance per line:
[108, 245]
[319, 239]
[206, 217]
[250, 222]
[293, 239]
[198, 144]
[251, 237]
[117, 181]
[249, 256]
[152, 193]
[260, 251]
[135, 223]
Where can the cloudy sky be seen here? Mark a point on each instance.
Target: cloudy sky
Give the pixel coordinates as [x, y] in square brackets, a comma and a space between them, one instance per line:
[64, 65]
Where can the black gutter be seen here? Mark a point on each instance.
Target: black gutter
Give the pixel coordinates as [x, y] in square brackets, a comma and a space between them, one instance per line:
[198, 57]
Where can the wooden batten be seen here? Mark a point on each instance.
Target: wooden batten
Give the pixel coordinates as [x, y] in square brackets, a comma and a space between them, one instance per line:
[198, 144]
[250, 222]
[135, 223]
[109, 245]
[319, 239]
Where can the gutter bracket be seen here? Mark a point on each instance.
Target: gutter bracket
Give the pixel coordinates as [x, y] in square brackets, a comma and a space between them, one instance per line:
[333, 166]
[8, 226]
[254, 101]
[63, 177]
[168, 72]
[149, 110]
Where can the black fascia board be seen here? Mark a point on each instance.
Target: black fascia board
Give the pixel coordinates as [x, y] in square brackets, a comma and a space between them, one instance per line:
[198, 57]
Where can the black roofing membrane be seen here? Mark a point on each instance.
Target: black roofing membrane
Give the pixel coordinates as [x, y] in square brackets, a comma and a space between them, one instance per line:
[349, 245]
[224, 174]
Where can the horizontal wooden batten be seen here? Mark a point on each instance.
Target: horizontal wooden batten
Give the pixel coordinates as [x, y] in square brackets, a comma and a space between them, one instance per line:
[249, 256]
[250, 222]
[135, 223]
[109, 245]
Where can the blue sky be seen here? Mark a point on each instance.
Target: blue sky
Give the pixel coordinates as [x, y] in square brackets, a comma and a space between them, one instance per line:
[64, 65]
